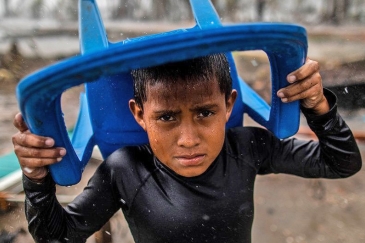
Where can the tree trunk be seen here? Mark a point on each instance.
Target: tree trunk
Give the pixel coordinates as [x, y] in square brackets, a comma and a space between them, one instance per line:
[7, 12]
[120, 10]
[334, 18]
[260, 5]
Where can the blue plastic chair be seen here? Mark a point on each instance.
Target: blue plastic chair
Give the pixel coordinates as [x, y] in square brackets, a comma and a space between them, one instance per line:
[105, 119]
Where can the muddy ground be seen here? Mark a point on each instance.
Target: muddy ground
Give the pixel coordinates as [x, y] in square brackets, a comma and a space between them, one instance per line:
[287, 209]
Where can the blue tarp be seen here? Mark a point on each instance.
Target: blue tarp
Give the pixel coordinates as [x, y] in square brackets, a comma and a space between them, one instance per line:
[8, 164]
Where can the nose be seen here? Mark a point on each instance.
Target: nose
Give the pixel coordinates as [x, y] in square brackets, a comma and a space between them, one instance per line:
[189, 135]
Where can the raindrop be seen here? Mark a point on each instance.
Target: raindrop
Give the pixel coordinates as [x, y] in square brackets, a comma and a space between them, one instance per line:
[321, 238]
[346, 91]
[299, 238]
[273, 227]
[254, 63]
[206, 217]
[286, 232]
[122, 201]
[289, 239]
[340, 224]
[107, 232]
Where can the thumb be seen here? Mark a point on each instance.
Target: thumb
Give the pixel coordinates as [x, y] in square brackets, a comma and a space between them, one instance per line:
[19, 123]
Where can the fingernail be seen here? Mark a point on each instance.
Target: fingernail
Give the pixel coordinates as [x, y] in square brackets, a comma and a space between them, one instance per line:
[292, 78]
[28, 170]
[59, 159]
[62, 152]
[284, 100]
[280, 94]
[49, 142]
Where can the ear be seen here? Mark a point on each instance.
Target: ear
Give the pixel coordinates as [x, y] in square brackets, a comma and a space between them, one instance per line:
[137, 112]
[230, 103]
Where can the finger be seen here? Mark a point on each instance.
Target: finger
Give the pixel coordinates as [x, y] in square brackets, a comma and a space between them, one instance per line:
[28, 139]
[21, 151]
[34, 163]
[35, 174]
[308, 96]
[19, 123]
[298, 87]
[309, 68]
[29, 170]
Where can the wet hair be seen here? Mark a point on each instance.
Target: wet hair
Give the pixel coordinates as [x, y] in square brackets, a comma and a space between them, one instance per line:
[189, 71]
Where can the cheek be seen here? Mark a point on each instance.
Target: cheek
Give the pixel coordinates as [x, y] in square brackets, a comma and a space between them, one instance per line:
[216, 136]
[218, 126]
[159, 140]
[153, 134]
[218, 139]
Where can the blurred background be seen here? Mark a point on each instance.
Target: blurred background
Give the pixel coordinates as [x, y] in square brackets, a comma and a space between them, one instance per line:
[38, 33]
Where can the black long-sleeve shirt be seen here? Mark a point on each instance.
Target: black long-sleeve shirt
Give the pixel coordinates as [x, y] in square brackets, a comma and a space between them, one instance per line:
[217, 206]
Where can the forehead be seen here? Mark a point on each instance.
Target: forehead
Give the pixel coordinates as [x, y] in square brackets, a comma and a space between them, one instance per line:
[186, 92]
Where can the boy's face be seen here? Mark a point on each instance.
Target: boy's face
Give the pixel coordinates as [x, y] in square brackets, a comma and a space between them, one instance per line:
[185, 125]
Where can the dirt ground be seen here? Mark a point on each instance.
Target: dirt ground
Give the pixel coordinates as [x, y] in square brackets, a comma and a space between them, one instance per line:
[288, 209]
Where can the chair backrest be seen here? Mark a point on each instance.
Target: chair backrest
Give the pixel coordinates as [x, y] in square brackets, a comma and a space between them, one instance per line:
[104, 118]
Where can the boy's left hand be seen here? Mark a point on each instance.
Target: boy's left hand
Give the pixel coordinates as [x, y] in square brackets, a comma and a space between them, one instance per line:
[306, 86]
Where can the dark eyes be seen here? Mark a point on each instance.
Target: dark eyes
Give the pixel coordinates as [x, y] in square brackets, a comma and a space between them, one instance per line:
[166, 117]
[205, 113]
[172, 117]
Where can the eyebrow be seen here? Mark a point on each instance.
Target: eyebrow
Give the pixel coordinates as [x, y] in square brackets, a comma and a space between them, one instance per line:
[161, 112]
[204, 107]
[196, 108]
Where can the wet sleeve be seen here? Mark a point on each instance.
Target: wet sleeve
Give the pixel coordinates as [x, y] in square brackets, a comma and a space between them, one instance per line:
[334, 155]
[48, 220]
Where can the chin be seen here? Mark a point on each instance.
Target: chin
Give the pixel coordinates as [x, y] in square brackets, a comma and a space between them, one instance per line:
[191, 172]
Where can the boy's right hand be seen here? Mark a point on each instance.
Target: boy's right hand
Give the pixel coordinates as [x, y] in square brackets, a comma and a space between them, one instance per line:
[34, 152]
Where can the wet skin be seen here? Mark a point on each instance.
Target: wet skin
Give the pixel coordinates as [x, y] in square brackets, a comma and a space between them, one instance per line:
[185, 125]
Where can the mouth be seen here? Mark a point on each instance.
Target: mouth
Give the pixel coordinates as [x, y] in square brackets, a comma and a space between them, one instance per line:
[190, 160]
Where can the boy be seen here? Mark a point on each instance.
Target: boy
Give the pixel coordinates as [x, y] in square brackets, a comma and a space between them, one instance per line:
[194, 181]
